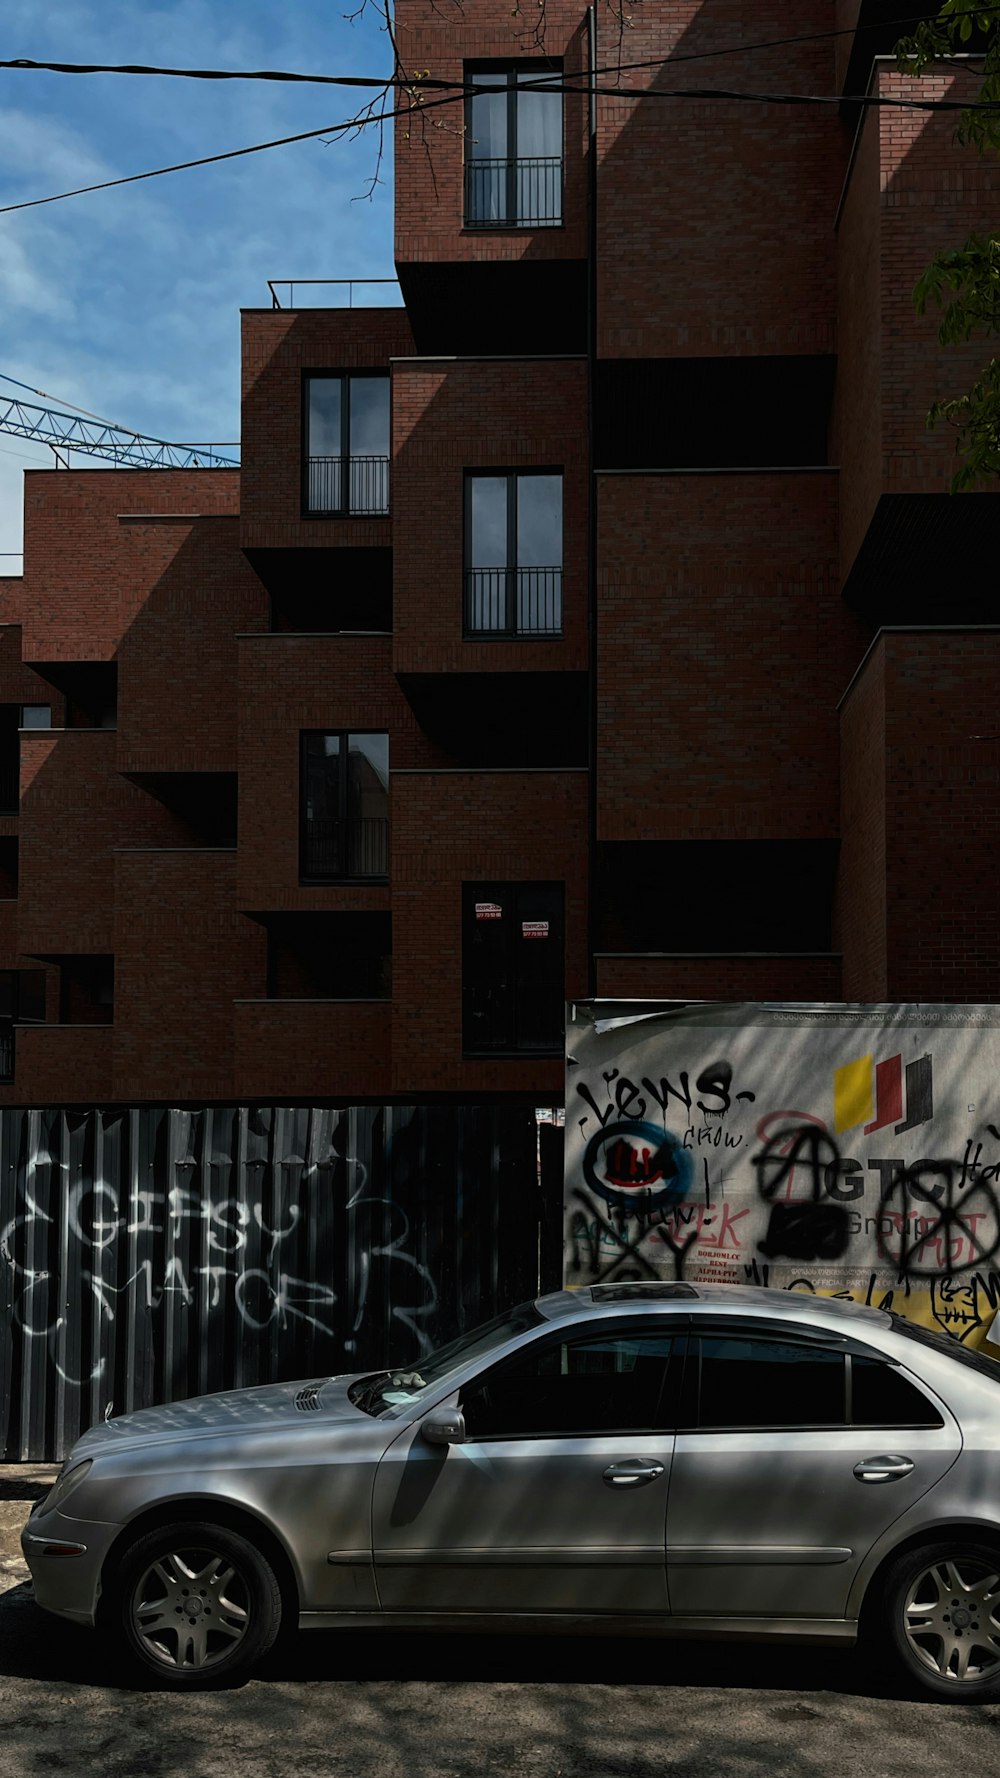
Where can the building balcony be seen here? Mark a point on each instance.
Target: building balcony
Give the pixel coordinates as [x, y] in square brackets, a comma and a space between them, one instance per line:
[523, 193]
[351, 487]
[513, 602]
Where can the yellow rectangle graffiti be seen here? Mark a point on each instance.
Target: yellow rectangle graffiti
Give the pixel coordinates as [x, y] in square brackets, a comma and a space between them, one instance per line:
[852, 1094]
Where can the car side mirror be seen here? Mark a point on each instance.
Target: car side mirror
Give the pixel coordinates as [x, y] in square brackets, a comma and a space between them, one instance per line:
[446, 1427]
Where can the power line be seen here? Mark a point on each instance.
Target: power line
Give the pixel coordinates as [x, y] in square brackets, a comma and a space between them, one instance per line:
[25, 64]
[206, 160]
[417, 109]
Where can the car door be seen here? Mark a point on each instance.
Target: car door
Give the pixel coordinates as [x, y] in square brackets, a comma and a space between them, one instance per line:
[793, 1455]
[556, 1499]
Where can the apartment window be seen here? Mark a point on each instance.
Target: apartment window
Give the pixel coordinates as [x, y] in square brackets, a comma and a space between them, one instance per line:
[512, 968]
[344, 823]
[87, 990]
[329, 956]
[514, 554]
[347, 445]
[36, 715]
[513, 147]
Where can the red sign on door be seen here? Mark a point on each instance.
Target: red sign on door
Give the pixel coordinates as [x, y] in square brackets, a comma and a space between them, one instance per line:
[534, 929]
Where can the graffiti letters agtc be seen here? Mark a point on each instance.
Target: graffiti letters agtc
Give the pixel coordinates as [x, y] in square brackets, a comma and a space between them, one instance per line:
[848, 1150]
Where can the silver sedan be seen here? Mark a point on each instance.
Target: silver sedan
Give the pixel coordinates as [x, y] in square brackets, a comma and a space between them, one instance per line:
[652, 1459]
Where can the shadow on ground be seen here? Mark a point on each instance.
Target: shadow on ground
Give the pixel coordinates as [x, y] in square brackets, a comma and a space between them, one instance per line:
[34, 1645]
[394, 1705]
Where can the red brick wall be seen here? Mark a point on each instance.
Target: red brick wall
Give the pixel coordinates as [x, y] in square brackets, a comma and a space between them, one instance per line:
[290, 683]
[470, 827]
[942, 692]
[183, 954]
[84, 580]
[61, 1065]
[177, 661]
[312, 1049]
[279, 346]
[860, 909]
[846, 16]
[429, 151]
[918, 900]
[933, 194]
[18, 684]
[857, 415]
[719, 978]
[715, 219]
[479, 414]
[75, 809]
[912, 193]
[723, 647]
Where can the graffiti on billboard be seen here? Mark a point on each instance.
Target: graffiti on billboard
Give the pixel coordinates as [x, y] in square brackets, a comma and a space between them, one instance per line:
[849, 1151]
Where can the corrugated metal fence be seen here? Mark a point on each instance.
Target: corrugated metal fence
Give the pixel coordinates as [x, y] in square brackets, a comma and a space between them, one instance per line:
[148, 1255]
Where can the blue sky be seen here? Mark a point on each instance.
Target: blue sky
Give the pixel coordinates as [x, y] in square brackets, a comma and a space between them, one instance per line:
[127, 301]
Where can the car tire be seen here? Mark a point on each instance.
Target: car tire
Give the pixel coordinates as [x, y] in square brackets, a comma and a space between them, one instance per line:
[196, 1605]
[943, 1617]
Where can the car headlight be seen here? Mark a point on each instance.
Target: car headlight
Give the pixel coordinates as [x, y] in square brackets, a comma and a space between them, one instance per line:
[70, 1479]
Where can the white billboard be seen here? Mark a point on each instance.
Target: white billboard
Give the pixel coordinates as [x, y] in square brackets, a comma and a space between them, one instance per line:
[846, 1149]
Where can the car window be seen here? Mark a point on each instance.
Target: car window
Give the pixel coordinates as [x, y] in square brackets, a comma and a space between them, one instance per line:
[385, 1391]
[746, 1382]
[882, 1396]
[561, 1388]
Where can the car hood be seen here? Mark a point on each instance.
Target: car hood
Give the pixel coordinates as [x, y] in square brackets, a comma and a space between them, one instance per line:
[315, 1401]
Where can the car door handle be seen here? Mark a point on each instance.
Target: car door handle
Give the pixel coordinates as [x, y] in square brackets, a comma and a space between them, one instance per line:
[883, 1469]
[632, 1472]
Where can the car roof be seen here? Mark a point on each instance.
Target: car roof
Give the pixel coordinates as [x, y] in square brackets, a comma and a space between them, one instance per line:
[743, 1299]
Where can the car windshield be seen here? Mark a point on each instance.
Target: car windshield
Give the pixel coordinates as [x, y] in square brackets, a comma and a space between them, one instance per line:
[396, 1388]
[976, 1361]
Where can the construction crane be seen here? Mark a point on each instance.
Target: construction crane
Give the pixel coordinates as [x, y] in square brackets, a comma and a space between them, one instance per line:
[94, 437]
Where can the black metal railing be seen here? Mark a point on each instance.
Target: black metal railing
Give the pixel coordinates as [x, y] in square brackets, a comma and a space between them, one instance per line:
[353, 485]
[523, 193]
[332, 849]
[6, 1055]
[513, 601]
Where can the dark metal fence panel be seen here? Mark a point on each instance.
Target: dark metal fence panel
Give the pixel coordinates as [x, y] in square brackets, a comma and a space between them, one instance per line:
[147, 1255]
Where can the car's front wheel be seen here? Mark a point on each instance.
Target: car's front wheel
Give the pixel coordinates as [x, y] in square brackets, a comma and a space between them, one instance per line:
[196, 1603]
[943, 1605]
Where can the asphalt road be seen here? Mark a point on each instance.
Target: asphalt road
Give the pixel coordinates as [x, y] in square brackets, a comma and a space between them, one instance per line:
[407, 1706]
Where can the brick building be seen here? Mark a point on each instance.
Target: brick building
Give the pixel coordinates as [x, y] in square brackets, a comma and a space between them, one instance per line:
[588, 624]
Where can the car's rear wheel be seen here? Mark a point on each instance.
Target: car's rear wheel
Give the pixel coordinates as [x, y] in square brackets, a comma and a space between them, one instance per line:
[196, 1604]
[943, 1606]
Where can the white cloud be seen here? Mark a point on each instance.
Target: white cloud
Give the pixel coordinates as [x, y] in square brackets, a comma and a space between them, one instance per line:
[126, 301]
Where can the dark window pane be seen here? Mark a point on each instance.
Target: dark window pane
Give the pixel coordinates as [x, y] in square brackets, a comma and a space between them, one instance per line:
[325, 416]
[751, 1382]
[369, 416]
[488, 133]
[322, 807]
[488, 521]
[368, 805]
[538, 973]
[36, 715]
[512, 967]
[539, 521]
[539, 119]
[488, 1003]
[610, 1383]
[882, 1396]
